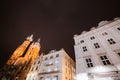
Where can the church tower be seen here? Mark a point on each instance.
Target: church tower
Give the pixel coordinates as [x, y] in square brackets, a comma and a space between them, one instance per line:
[21, 60]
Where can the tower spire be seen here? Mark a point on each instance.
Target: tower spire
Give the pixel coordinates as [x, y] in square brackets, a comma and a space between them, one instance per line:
[38, 42]
[30, 37]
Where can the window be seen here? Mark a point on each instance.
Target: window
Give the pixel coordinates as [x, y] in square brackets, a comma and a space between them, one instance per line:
[56, 68]
[47, 78]
[32, 69]
[55, 78]
[36, 67]
[92, 37]
[41, 78]
[46, 58]
[84, 48]
[105, 60]
[49, 69]
[111, 41]
[50, 62]
[56, 61]
[89, 62]
[105, 33]
[96, 45]
[57, 55]
[38, 62]
[118, 53]
[118, 28]
[82, 41]
[51, 57]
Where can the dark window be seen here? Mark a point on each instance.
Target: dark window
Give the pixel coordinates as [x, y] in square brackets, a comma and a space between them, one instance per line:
[38, 62]
[57, 55]
[92, 37]
[41, 78]
[105, 60]
[105, 33]
[55, 77]
[51, 57]
[96, 45]
[36, 67]
[118, 28]
[82, 41]
[111, 41]
[84, 48]
[89, 62]
[46, 58]
[118, 54]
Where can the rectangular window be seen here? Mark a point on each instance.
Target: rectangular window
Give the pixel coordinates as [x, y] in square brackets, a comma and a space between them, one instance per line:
[84, 48]
[105, 60]
[36, 67]
[51, 57]
[82, 41]
[111, 41]
[89, 62]
[118, 53]
[57, 55]
[55, 78]
[46, 58]
[41, 78]
[105, 33]
[38, 62]
[92, 37]
[47, 78]
[118, 28]
[96, 45]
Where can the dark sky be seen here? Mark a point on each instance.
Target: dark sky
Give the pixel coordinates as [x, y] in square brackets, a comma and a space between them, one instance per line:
[53, 21]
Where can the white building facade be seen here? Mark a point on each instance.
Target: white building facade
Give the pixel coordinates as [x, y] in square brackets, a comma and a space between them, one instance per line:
[97, 52]
[56, 65]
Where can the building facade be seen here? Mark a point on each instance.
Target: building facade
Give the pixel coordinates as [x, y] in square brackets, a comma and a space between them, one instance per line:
[21, 60]
[56, 65]
[97, 52]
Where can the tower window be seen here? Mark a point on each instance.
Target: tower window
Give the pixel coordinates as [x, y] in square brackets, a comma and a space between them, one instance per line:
[92, 37]
[96, 45]
[118, 28]
[105, 60]
[82, 41]
[111, 41]
[84, 48]
[89, 62]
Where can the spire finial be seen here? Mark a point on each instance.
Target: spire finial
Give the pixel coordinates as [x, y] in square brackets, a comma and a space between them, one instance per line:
[30, 37]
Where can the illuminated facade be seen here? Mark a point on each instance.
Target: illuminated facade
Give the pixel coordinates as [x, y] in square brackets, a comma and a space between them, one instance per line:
[97, 52]
[56, 65]
[21, 60]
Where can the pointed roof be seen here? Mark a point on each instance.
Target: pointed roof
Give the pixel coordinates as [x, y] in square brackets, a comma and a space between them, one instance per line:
[30, 37]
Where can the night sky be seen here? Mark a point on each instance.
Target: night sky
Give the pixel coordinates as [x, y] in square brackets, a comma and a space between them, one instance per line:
[55, 22]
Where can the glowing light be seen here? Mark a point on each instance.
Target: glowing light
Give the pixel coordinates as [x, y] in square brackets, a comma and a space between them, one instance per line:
[82, 76]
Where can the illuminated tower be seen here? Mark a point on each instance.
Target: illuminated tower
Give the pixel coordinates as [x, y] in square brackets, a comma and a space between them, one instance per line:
[21, 60]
